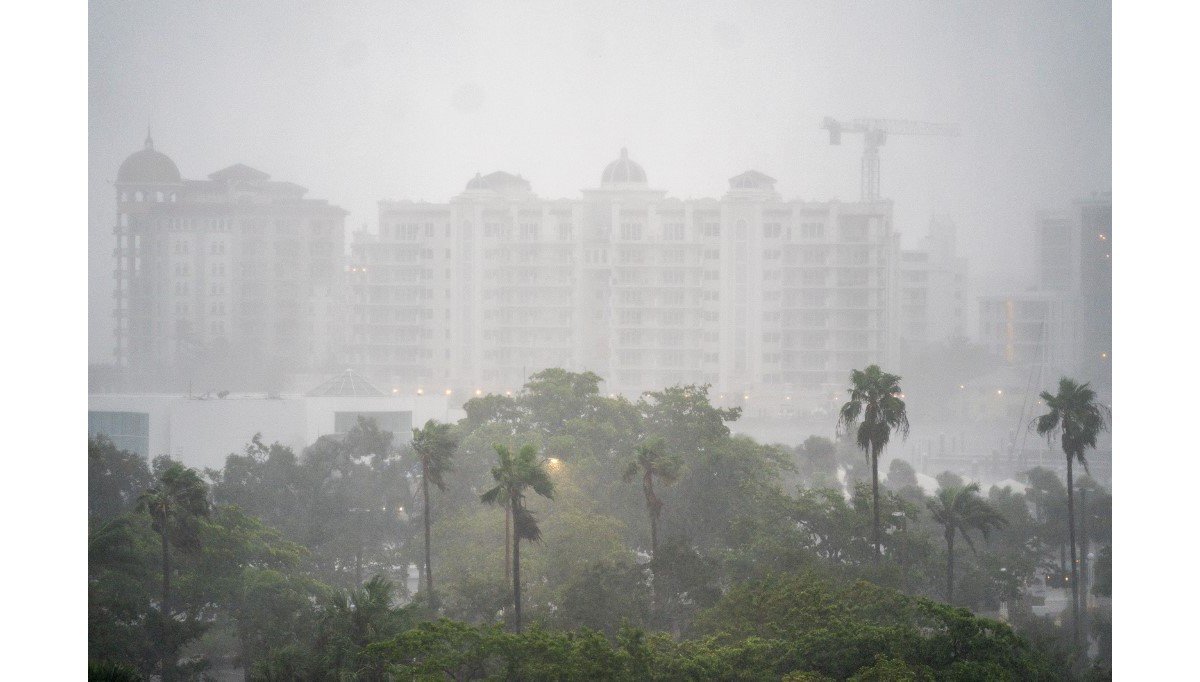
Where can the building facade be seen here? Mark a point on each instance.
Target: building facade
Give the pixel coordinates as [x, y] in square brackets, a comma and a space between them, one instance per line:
[932, 290]
[237, 268]
[1066, 320]
[771, 301]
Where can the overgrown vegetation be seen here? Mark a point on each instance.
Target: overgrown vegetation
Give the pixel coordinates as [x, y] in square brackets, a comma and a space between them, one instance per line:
[755, 562]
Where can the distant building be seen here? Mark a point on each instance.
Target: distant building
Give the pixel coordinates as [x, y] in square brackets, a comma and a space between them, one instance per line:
[1066, 321]
[235, 266]
[932, 290]
[1094, 297]
[1028, 328]
[772, 301]
[201, 430]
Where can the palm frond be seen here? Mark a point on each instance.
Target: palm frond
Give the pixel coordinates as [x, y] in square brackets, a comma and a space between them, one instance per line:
[492, 496]
[525, 524]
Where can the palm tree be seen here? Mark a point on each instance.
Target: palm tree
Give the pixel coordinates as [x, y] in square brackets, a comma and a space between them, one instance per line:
[1077, 420]
[959, 510]
[875, 401]
[513, 475]
[653, 461]
[176, 499]
[434, 445]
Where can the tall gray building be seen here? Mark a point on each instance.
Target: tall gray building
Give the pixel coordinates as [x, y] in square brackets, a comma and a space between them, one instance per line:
[1065, 322]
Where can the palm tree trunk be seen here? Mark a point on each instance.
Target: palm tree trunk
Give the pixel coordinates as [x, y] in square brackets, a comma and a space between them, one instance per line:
[428, 566]
[1074, 566]
[875, 500]
[648, 487]
[165, 658]
[507, 544]
[950, 567]
[516, 576]
[1083, 560]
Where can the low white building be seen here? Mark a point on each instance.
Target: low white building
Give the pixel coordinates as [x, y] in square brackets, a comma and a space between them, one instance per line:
[201, 431]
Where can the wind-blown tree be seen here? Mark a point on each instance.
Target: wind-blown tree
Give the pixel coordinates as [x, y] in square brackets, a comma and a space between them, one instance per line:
[434, 445]
[652, 462]
[1076, 419]
[513, 475]
[876, 409]
[960, 510]
[115, 479]
[176, 499]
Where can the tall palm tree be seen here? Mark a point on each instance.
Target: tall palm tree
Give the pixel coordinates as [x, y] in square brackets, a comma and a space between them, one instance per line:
[876, 409]
[960, 510]
[1076, 419]
[434, 445]
[513, 475]
[176, 499]
[653, 462]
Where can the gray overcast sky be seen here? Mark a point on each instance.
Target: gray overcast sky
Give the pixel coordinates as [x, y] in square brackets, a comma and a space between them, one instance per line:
[391, 100]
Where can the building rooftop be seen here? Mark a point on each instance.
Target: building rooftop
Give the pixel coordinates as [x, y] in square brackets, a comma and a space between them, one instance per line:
[623, 171]
[148, 166]
[348, 383]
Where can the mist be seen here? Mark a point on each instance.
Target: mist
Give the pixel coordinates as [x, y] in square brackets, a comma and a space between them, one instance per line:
[402, 101]
[427, 328]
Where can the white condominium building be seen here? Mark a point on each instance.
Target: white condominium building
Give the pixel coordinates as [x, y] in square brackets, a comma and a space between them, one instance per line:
[771, 301]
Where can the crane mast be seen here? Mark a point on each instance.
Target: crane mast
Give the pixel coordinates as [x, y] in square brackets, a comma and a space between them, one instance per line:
[875, 132]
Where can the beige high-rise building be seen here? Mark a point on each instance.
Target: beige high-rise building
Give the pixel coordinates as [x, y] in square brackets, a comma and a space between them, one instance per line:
[771, 301]
[237, 270]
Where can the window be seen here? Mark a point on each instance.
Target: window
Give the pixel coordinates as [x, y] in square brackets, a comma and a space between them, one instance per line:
[564, 232]
[529, 232]
[711, 230]
[772, 230]
[854, 229]
[673, 232]
[812, 231]
[631, 232]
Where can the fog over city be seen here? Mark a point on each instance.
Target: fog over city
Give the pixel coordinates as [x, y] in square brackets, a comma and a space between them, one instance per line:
[394, 100]
[658, 332]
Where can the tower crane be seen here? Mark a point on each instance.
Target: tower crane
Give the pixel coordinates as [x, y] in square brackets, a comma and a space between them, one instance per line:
[875, 132]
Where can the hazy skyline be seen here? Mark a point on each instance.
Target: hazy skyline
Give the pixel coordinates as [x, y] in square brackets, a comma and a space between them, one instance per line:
[398, 101]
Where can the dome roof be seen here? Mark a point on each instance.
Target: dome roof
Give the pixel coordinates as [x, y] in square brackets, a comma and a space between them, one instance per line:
[499, 181]
[148, 166]
[623, 171]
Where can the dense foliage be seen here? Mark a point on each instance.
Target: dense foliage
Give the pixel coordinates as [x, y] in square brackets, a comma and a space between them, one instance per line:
[728, 559]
